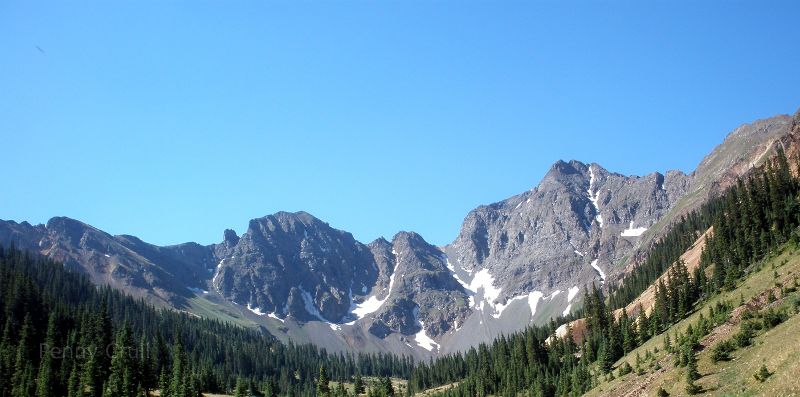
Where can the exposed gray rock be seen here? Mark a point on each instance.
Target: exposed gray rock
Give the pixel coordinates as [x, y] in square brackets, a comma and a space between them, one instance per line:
[519, 261]
[547, 238]
[295, 264]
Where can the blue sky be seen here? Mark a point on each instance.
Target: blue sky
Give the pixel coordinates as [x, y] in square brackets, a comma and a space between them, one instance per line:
[173, 120]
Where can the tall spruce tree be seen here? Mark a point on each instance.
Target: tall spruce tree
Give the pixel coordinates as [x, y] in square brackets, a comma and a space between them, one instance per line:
[46, 382]
[122, 375]
[323, 382]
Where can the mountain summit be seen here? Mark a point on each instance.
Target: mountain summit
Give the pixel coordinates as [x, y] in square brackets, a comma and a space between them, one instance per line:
[522, 260]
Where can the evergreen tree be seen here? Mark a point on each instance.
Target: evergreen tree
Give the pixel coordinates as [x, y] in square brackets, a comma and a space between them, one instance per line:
[340, 390]
[7, 355]
[604, 358]
[269, 389]
[358, 385]
[22, 379]
[241, 388]
[323, 383]
[147, 375]
[74, 382]
[122, 379]
[691, 364]
[386, 387]
[762, 374]
[46, 381]
[164, 383]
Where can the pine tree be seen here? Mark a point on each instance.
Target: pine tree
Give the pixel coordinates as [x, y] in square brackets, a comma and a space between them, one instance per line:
[180, 372]
[96, 337]
[146, 375]
[121, 380]
[46, 381]
[691, 364]
[7, 354]
[358, 385]
[386, 388]
[269, 389]
[241, 388]
[604, 359]
[762, 374]
[340, 391]
[22, 379]
[691, 387]
[323, 383]
[164, 383]
[74, 382]
[104, 335]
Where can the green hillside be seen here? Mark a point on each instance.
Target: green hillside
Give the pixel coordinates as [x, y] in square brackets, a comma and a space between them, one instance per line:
[776, 347]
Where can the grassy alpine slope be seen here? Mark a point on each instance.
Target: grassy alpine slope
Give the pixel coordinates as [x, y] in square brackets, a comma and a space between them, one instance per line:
[777, 348]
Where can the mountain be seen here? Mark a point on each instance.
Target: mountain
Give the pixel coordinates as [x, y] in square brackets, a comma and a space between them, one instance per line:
[294, 265]
[520, 261]
[719, 316]
[161, 274]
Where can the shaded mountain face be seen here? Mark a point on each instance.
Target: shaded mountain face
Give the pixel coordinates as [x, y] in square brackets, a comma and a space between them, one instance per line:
[294, 265]
[161, 274]
[519, 261]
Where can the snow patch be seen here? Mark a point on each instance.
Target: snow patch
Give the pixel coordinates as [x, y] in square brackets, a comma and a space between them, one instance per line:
[423, 340]
[273, 315]
[632, 231]
[453, 271]
[198, 290]
[593, 197]
[216, 274]
[599, 270]
[533, 300]
[499, 308]
[571, 293]
[484, 280]
[107, 255]
[308, 303]
[566, 311]
[553, 295]
[371, 304]
[579, 253]
[255, 310]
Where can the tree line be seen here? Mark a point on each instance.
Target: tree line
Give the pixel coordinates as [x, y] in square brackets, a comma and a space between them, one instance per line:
[64, 336]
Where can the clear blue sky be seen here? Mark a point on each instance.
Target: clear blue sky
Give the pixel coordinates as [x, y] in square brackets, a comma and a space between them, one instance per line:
[173, 120]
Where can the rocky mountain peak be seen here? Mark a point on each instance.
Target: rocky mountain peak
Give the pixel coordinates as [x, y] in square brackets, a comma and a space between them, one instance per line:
[230, 238]
[514, 262]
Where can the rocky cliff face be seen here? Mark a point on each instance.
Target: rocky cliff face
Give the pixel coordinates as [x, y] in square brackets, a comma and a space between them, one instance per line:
[294, 264]
[569, 230]
[521, 260]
